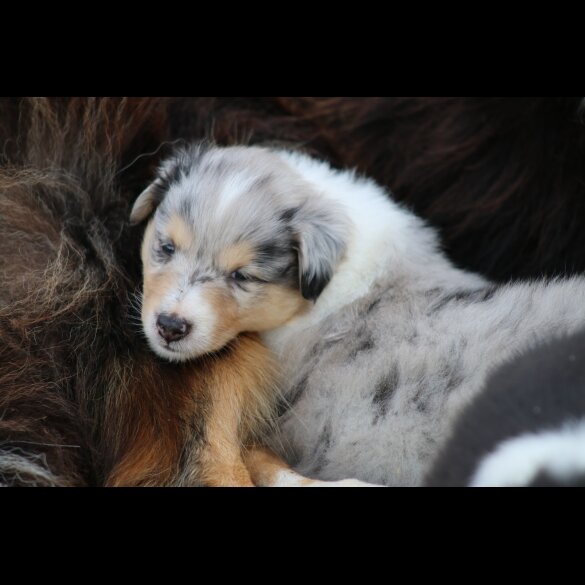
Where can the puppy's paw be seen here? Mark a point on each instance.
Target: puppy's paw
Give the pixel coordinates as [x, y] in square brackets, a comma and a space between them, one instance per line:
[290, 478]
[340, 483]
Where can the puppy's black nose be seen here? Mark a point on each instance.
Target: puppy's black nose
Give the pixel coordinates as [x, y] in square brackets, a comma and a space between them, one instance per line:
[171, 327]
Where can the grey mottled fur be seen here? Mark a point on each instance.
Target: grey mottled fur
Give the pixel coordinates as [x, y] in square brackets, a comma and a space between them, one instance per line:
[376, 390]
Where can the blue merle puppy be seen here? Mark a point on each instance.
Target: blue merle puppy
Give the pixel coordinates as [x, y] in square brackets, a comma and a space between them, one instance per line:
[381, 341]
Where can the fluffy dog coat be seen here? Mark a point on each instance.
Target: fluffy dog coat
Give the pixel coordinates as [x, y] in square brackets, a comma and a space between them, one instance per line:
[398, 339]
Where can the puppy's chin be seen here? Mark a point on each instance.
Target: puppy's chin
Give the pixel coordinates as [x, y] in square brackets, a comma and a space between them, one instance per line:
[181, 351]
[169, 353]
[175, 354]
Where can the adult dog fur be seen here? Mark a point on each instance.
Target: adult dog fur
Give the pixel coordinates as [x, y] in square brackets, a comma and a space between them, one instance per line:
[398, 339]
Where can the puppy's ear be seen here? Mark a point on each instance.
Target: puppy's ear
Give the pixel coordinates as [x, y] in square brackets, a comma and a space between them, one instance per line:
[171, 171]
[146, 203]
[320, 231]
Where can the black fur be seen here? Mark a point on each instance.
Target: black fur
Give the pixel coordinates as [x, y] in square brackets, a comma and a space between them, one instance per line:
[544, 479]
[539, 391]
[384, 391]
[470, 296]
[312, 286]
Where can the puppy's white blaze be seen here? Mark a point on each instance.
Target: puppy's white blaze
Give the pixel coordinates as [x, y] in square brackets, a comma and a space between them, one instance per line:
[232, 190]
[518, 461]
[196, 308]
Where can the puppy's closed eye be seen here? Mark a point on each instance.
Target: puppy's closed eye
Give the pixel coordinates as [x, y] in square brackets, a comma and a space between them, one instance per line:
[168, 249]
[239, 276]
[163, 250]
[242, 276]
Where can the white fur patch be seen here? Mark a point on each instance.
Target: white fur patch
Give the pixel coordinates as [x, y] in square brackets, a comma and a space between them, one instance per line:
[232, 189]
[197, 309]
[288, 478]
[517, 462]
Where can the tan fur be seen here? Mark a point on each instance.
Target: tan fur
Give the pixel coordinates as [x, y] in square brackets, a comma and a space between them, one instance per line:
[226, 313]
[239, 384]
[277, 305]
[156, 287]
[236, 256]
[242, 402]
[179, 232]
[232, 394]
[158, 405]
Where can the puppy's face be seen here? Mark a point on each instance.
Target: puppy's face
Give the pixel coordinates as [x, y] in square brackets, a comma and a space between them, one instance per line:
[236, 242]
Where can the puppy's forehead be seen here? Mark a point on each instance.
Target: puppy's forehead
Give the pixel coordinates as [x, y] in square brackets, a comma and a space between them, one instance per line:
[226, 195]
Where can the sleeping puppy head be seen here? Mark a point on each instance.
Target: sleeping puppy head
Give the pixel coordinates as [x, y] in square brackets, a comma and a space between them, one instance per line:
[237, 241]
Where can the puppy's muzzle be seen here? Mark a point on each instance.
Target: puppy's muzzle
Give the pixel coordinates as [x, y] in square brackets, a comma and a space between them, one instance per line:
[172, 328]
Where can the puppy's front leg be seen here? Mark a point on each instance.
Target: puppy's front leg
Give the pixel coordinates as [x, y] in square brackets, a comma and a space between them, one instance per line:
[240, 389]
[268, 470]
[217, 460]
[220, 461]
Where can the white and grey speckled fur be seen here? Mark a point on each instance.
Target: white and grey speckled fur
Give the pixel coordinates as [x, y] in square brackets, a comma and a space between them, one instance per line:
[398, 342]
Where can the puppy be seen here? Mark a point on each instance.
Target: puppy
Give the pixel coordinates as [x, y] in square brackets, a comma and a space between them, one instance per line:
[204, 284]
[379, 339]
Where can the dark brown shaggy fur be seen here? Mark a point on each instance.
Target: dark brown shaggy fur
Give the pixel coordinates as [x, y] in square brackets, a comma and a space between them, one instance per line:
[504, 179]
[68, 358]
